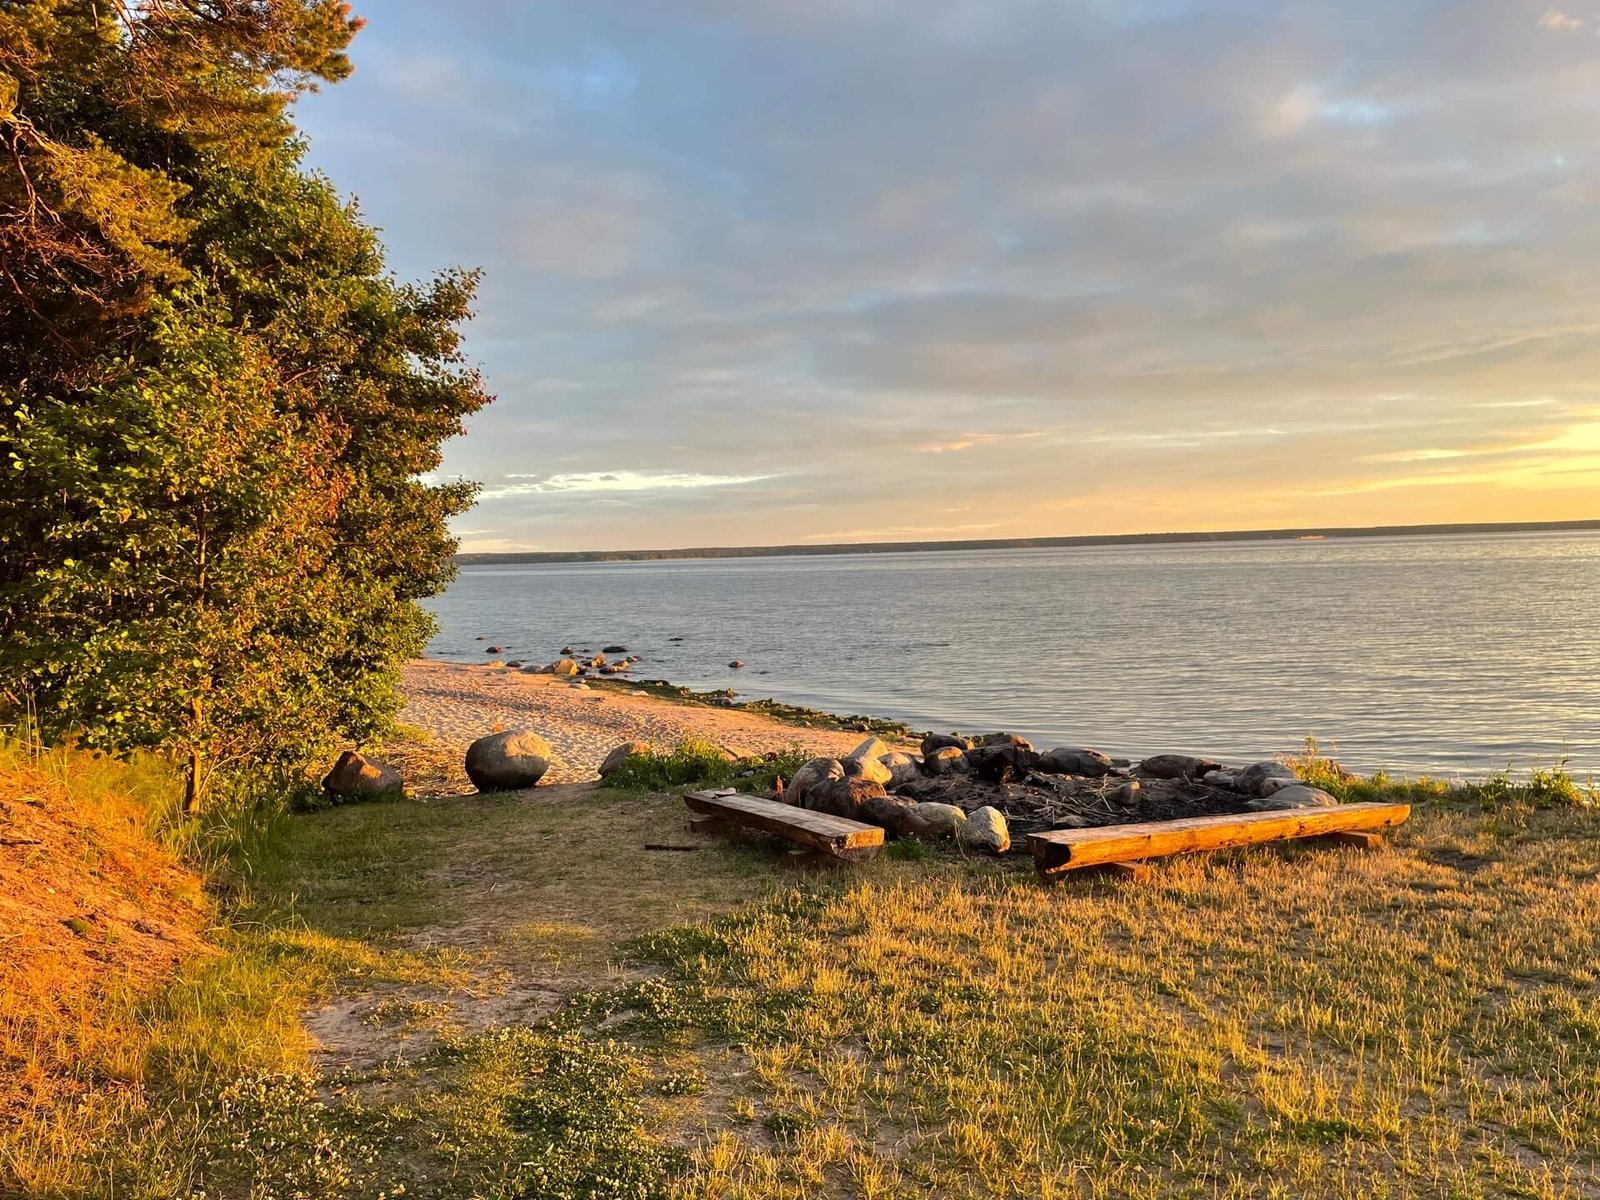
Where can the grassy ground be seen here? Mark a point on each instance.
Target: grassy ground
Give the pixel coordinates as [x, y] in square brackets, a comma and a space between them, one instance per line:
[515, 998]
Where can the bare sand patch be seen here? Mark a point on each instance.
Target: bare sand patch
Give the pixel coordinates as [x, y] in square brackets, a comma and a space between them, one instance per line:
[456, 703]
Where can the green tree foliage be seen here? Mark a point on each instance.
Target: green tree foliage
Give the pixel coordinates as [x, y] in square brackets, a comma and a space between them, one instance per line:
[217, 408]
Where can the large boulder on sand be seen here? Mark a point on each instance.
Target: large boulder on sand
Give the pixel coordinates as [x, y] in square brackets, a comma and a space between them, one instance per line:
[1071, 760]
[508, 761]
[902, 768]
[615, 760]
[1177, 766]
[985, 829]
[1253, 780]
[356, 777]
[808, 776]
[563, 666]
[945, 760]
[1295, 795]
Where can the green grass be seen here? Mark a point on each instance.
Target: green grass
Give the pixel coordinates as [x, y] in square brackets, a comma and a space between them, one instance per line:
[1540, 787]
[1418, 1021]
[696, 762]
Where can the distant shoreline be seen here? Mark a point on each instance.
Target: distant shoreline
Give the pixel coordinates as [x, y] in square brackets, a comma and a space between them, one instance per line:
[473, 558]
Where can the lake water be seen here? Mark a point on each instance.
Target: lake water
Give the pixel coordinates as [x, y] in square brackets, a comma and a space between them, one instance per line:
[1439, 655]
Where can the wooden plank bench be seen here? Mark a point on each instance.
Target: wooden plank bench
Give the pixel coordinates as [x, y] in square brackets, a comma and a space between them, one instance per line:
[1064, 850]
[837, 836]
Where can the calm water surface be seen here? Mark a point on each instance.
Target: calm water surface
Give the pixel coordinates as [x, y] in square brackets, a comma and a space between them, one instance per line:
[1449, 655]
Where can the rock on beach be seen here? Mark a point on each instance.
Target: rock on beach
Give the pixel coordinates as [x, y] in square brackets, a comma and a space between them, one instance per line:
[356, 777]
[508, 761]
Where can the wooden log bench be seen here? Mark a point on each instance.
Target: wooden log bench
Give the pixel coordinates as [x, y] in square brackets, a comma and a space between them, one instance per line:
[1124, 847]
[814, 832]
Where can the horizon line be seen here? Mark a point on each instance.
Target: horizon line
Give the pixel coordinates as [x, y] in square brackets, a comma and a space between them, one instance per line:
[483, 557]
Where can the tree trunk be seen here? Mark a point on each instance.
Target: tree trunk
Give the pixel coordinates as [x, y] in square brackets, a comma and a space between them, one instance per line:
[193, 785]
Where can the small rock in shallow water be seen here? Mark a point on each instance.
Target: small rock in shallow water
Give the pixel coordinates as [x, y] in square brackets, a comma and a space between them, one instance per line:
[613, 649]
[737, 664]
[985, 829]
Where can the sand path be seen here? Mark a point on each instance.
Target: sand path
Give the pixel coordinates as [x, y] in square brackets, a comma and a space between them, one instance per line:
[458, 702]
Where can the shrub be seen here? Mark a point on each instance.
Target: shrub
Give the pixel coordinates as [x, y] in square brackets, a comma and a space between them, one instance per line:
[697, 762]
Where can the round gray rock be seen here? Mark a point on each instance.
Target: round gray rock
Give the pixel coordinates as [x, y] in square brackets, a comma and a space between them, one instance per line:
[902, 768]
[1295, 795]
[942, 818]
[985, 829]
[508, 761]
[1252, 780]
[619, 755]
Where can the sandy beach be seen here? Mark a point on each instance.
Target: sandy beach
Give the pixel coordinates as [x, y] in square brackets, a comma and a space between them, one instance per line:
[455, 703]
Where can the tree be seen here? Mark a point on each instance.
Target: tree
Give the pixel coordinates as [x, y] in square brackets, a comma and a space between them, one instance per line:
[104, 107]
[218, 408]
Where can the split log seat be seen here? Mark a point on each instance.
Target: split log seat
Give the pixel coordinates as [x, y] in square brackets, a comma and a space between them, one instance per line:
[837, 836]
[1064, 850]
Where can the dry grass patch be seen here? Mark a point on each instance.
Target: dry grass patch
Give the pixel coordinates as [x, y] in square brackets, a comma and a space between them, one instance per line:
[1420, 1021]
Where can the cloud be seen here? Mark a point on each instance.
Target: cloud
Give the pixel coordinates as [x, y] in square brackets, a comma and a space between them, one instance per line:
[966, 441]
[1076, 267]
[611, 481]
[1556, 19]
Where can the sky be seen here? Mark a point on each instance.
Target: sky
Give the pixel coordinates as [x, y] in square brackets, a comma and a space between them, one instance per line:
[788, 271]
